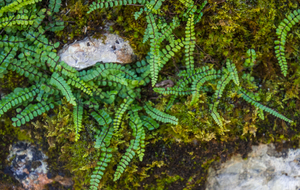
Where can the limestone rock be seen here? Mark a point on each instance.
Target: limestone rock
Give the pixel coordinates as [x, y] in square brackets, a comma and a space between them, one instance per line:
[29, 167]
[88, 52]
[264, 169]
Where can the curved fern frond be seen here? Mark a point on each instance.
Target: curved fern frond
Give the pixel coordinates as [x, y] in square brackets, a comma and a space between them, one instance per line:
[135, 144]
[249, 97]
[282, 30]
[104, 137]
[160, 116]
[81, 85]
[171, 102]
[54, 5]
[103, 3]
[199, 80]
[119, 114]
[149, 123]
[65, 89]
[16, 5]
[215, 115]
[174, 91]
[17, 98]
[31, 111]
[103, 118]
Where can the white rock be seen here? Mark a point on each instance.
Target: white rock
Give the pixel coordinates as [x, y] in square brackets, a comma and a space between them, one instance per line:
[88, 52]
[264, 169]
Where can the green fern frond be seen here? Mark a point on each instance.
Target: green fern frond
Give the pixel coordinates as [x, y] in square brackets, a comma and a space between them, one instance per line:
[103, 139]
[80, 85]
[103, 118]
[54, 5]
[119, 114]
[105, 158]
[135, 144]
[215, 115]
[171, 102]
[77, 116]
[17, 98]
[189, 44]
[233, 72]
[160, 116]
[282, 30]
[149, 123]
[174, 91]
[16, 5]
[31, 111]
[249, 97]
[199, 80]
[250, 61]
[65, 89]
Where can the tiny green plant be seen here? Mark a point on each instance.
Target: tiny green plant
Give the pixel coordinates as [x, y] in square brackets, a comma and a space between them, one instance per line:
[25, 49]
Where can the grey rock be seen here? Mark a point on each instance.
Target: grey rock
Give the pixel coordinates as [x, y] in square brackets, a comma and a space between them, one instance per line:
[27, 162]
[88, 52]
[264, 169]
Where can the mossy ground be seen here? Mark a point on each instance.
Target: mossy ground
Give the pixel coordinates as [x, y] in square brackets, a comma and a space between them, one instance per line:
[178, 157]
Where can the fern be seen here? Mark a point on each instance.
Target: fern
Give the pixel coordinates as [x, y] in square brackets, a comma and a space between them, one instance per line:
[65, 89]
[105, 158]
[160, 116]
[189, 44]
[249, 62]
[135, 144]
[77, 115]
[17, 98]
[247, 96]
[282, 30]
[31, 111]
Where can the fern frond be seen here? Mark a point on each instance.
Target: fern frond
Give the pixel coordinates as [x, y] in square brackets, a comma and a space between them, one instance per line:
[17, 98]
[171, 102]
[249, 62]
[217, 95]
[119, 114]
[189, 44]
[65, 89]
[249, 97]
[103, 118]
[282, 30]
[31, 111]
[105, 158]
[80, 85]
[77, 115]
[174, 91]
[160, 116]
[6, 57]
[215, 115]
[233, 72]
[199, 80]
[149, 123]
[103, 139]
[16, 5]
[54, 5]
[135, 144]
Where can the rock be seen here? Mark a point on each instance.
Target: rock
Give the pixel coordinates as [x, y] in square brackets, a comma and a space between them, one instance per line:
[88, 52]
[264, 169]
[29, 167]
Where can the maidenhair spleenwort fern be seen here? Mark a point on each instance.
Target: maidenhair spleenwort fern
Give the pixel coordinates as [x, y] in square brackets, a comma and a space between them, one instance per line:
[191, 84]
[26, 50]
[282, 30]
